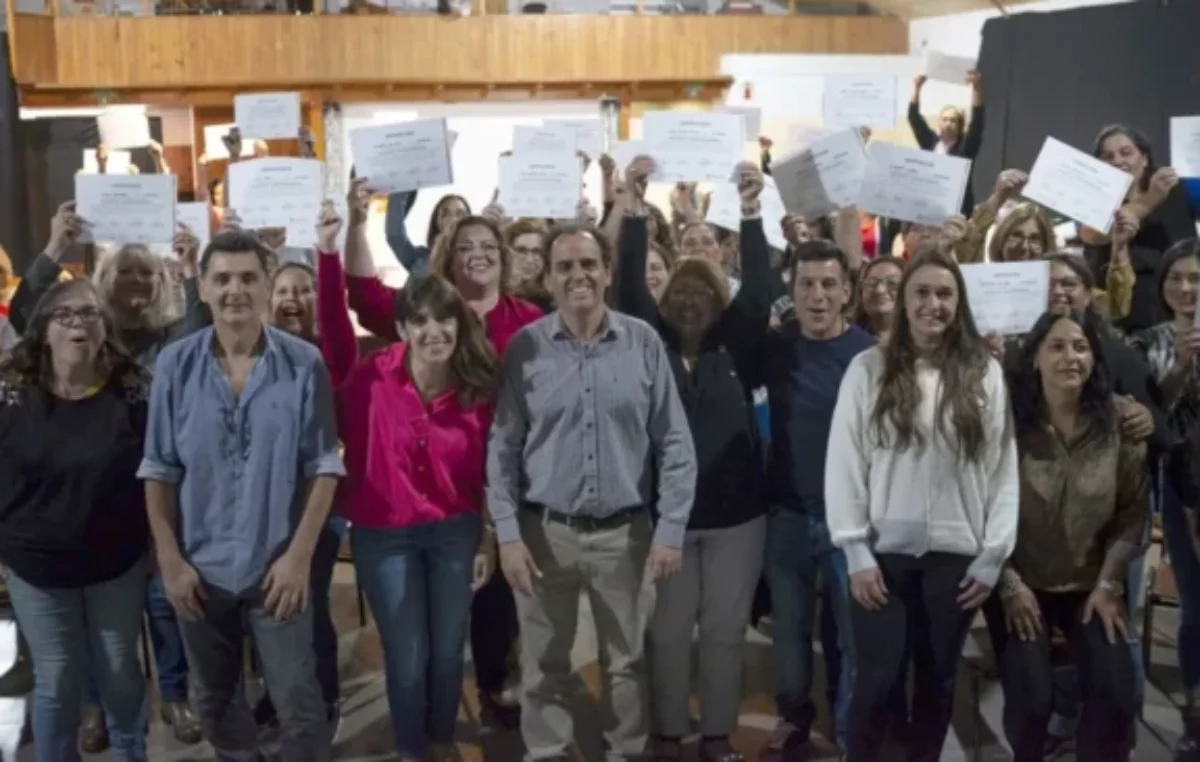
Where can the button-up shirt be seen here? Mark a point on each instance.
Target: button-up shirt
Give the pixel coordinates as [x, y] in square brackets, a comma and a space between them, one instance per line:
[583, 428]
[408, 462]
[242, 462]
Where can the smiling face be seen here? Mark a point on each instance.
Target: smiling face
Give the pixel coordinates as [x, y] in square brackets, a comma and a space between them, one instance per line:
[431, 340]
[294, 302]
[656, 273]
[528, 262]
[1023, 242]
[690, 305]
[820, 291]
[1180, 287]
[75, 331]
[1065, 359]
[931, 304]
[949, 124]
[234, 286]
[476, 257]
[699, 240]
[1121, 152]
[450, 212]
[137, 275]
[578, 276]
[1067, 290]
[879, 288]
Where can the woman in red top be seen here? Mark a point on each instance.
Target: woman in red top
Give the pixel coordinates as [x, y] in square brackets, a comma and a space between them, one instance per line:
[473, 257]
[414, 419]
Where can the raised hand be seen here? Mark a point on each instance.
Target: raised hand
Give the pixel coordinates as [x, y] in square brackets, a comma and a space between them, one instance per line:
[65, 228]
[329, 226]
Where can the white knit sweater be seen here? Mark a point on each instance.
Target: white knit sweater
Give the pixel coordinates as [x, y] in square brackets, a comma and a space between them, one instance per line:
[922, 499]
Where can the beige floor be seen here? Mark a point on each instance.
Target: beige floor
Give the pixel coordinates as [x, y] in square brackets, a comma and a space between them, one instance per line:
[365, 734]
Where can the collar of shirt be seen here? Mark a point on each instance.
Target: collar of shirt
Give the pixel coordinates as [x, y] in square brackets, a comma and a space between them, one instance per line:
[393, 362]
[610, 328]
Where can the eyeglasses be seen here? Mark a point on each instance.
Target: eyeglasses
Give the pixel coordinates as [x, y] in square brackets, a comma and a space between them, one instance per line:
[891, 284]
[65, 316]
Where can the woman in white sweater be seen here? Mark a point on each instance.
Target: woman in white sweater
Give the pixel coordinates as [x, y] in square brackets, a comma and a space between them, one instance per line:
[921, 493]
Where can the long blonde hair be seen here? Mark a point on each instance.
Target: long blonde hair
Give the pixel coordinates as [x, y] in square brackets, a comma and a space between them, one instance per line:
[165, 309]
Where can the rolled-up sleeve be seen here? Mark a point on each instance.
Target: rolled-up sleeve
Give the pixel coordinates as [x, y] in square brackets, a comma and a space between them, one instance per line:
[674, 450]
[506, 441]
[160, 458]
[319, 448]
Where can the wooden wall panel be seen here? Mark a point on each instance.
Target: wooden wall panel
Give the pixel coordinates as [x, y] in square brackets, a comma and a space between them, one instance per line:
[32, 48]
[299, 51]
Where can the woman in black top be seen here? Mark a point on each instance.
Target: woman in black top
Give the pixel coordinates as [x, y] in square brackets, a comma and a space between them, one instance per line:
[73, 531]
[955, 136]
[713, 345]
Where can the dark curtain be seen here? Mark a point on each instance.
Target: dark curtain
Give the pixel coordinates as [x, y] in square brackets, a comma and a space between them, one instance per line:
[1069, 74]
[14, 232]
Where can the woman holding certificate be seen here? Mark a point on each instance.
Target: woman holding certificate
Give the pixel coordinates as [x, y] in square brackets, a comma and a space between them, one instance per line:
[955, 136]
[921, 494]
[713, 342]
[472, 256]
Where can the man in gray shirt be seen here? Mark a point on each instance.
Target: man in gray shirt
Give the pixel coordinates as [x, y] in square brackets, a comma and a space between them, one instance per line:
[589, 436]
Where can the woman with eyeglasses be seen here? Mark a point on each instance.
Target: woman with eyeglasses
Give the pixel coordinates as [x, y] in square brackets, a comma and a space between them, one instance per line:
[878, 282]
[73, 531]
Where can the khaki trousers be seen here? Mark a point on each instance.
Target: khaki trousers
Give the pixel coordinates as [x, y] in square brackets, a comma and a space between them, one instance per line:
[609, 566]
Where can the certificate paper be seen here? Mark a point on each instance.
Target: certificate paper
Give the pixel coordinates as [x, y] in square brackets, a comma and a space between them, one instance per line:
[725, 210]
[123, 127]
[693, 147]
[403, 157]
[589, 134]
[751, 120]
[824, 178]
[118, 162]
[550, 138]
[913, 185]
[214, 144]
[542, 185]
[852, 101]
[126, 208]
[268, 116]
[625, 151]
[1007, 297]
[947, 68]
[1185, 145]
[282, 192]
[194, 215]
[1077, 185]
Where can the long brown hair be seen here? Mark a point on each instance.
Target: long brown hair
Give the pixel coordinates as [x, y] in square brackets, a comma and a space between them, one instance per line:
[474, 363]
[30, 364]
[964, 360]
[441, 262]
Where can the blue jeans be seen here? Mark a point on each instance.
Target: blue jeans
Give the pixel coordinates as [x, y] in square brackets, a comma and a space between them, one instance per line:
[418, 582]
[798, 546]
[1186, 565]
[73, 632]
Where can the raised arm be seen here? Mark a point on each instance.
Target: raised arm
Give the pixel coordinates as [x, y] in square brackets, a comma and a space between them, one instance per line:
[44, 271]
[631, 294]
[186, 246]
[925, 136]
[675, 451]
[370, 299]
[415, 259]
[339, 345]
[974, 137]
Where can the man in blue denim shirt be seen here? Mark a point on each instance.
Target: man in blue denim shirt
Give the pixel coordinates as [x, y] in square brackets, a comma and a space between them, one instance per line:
[240, 466]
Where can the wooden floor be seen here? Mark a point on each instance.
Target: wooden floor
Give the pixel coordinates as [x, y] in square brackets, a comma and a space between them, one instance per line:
[365, 734]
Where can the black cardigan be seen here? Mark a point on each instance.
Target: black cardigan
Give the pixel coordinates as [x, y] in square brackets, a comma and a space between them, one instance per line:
[967, 146]
[717, 393]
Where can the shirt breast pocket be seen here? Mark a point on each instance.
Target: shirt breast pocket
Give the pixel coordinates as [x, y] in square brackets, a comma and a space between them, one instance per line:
[626, 388]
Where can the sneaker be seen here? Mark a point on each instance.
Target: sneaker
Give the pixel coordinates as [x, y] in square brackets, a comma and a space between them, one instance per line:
[785, 739]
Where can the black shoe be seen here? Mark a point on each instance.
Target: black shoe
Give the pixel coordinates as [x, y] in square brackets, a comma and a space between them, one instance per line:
[183, 721]
[500, 709]
[265, 716]
[93, 730]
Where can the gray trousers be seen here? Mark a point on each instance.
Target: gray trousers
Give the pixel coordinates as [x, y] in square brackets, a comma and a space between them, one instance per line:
[715, 590]
[215, 652]
[609, 567]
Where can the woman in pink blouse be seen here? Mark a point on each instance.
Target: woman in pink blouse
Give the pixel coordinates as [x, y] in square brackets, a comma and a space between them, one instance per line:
[471, 254]
[414, 419]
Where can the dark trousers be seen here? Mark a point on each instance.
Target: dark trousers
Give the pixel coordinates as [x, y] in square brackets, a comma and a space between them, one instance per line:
[922, 621]
[1106, 685]
[493, 633]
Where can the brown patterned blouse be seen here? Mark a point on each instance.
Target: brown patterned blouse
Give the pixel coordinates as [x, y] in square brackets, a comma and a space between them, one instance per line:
[1083, 500]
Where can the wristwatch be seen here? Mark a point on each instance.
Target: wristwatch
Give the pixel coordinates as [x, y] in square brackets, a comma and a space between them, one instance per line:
[1115, 589]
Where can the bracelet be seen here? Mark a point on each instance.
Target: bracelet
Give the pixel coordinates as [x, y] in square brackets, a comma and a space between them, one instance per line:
[1115, 589]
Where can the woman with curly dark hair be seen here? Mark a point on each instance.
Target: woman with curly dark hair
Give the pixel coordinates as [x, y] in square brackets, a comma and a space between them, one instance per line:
[1081, 516]
[921, 494]
[73, 530]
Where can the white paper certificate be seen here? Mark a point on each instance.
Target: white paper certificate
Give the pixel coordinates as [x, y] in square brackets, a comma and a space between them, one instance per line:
[1185, 145]
[194, 214]
[541, 185]
[550, 138]
[118, 162]
[947, 68]
[725, 210]
[625, 151]
[403, 157]
[123, 127]
[281, 192]
[751, 120]
[1077, 185]
[589, 134]
[126, 208]
[214, 142]
[268, 116]
[827, 176]
[693, 147]
[1007, 297]
[913, 185]
[852, 101]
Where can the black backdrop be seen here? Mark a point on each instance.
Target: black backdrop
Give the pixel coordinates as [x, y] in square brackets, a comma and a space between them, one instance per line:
[1068, 74]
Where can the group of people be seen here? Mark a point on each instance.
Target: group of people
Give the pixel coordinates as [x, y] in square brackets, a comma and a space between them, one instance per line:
[651, 412]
